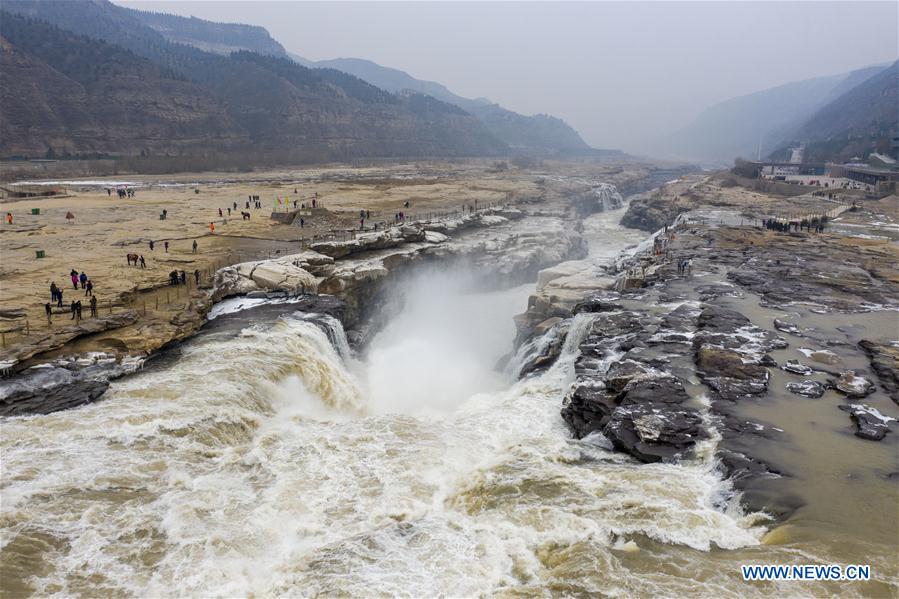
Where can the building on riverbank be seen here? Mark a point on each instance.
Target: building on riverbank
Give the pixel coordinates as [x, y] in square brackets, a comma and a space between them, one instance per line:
[879, 179]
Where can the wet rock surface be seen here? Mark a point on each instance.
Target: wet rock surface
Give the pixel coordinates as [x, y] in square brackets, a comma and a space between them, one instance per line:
[884, 358]
[870, 424]
[651, 213]
[796, 367]
[625, 388]
[62, 384]
[812, 389]
[652, 432]
[729, 351]
[853, 385]
[636, 372]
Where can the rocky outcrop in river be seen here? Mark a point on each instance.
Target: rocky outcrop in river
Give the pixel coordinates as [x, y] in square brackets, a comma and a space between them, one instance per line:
[499, 247]
[671, 356]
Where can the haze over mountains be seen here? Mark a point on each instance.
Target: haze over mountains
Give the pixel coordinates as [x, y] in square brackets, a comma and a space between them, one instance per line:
[814, 110]
[131, 91]
[855, 123]
[530, 134]
[223, 88]
[118, 81]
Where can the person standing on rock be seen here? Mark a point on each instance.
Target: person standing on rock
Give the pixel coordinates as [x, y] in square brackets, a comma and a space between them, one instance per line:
[302, 223]
[220, 212]
[166, 246]
[212, 227]
[74, 276]
[194, 245]
[362, 224]
[89, 288]
[197, 277]
[59, 298]
[183, 277]
[77, 311]
[93, 306]
[83, 279]
[143, 263]
[151, 245]
[73, 309]
[49, 312]
[53, 290]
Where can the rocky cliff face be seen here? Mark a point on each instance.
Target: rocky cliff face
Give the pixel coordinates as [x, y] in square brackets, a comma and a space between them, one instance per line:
[220, 38]
[650, 214]
[80, 97]
[496, 250]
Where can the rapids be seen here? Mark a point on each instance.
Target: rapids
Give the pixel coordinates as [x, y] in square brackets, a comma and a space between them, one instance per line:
[268, 460]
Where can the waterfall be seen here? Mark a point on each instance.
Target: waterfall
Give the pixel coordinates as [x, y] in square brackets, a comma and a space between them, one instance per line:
[256, 464]
[533, 350]
[607, 195]
[333, 328]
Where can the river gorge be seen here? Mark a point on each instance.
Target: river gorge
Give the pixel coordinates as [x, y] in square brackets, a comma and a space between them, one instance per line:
[422, 451]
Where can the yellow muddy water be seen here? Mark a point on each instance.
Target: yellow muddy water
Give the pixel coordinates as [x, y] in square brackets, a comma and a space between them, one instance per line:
[263, 461]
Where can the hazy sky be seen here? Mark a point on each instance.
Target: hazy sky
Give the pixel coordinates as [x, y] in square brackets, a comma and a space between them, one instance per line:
[621, 73]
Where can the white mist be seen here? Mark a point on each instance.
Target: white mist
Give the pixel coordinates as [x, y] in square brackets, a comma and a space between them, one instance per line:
[443, 345]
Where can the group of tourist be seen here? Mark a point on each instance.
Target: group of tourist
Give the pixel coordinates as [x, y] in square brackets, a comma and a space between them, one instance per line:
[363, 214]
[122, 192]
[75, 306]
[817, 223]
[685, 266]
[83, 279]
[180, 277]
[661, 243]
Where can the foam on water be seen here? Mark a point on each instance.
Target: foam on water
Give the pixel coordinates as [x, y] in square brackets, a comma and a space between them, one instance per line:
[267, 463]
[253, 465]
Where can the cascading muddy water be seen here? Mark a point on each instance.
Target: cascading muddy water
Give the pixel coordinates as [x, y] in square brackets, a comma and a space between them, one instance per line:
[263, 461]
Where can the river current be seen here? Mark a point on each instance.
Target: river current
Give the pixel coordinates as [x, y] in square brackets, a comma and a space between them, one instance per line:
[267, 460]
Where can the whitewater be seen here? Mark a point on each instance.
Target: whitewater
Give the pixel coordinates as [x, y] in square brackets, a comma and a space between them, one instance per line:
[267, 459]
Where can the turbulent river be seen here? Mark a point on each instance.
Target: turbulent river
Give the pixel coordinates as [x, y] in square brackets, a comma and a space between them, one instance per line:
[265, 459]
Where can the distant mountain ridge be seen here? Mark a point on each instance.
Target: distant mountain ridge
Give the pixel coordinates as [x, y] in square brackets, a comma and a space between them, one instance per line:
[861, 120]
[133, 92]
[396, 80]
[219, 38]
[529, 134]
[538, 134]
[744, 125]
